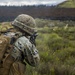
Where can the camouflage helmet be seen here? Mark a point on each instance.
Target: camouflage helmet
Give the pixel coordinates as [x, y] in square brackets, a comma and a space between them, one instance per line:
[25, 23]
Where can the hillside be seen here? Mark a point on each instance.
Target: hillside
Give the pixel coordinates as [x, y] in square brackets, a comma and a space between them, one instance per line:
[67, 4]
[36, 12]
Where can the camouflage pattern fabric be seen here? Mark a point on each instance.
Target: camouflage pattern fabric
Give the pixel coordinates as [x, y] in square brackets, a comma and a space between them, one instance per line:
[25, 23]
[5, 59]
[8, 65]
[17, 68]
[4, 27]
[24, 47]
[4, 42]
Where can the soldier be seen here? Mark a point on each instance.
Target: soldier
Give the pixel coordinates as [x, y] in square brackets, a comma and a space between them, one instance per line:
[22, 46]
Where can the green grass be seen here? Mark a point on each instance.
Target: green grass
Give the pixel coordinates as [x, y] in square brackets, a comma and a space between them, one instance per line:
[57, 52]
[68, 4]
[57, 49]
[56, 46]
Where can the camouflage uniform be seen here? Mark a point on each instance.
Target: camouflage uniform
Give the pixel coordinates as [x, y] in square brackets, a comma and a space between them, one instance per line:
[21, 47]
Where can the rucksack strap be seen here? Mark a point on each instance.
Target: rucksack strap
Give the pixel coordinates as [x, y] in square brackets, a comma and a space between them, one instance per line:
[6, 54]
[4, 42]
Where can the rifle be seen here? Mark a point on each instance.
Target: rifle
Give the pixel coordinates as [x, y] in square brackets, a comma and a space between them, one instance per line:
[33, 37]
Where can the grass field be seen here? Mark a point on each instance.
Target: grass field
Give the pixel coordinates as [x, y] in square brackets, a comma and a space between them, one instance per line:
[56, 45]
[68, 4]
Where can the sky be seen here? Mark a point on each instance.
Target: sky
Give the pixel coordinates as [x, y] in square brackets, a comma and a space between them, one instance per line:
[30, 2]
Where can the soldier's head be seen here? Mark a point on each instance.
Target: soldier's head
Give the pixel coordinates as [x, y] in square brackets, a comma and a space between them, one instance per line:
[25, 23]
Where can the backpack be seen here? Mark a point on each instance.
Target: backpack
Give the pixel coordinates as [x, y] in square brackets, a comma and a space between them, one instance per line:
[4, 27]
[4, 40]
[4, 43]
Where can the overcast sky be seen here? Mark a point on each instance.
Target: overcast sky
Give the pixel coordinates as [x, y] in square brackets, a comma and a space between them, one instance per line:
[30, 2]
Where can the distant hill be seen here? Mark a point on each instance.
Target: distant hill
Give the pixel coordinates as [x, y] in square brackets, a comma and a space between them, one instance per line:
[67, 4]
[9, 13]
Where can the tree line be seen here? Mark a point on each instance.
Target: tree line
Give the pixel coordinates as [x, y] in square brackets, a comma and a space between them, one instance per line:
[8, 13]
